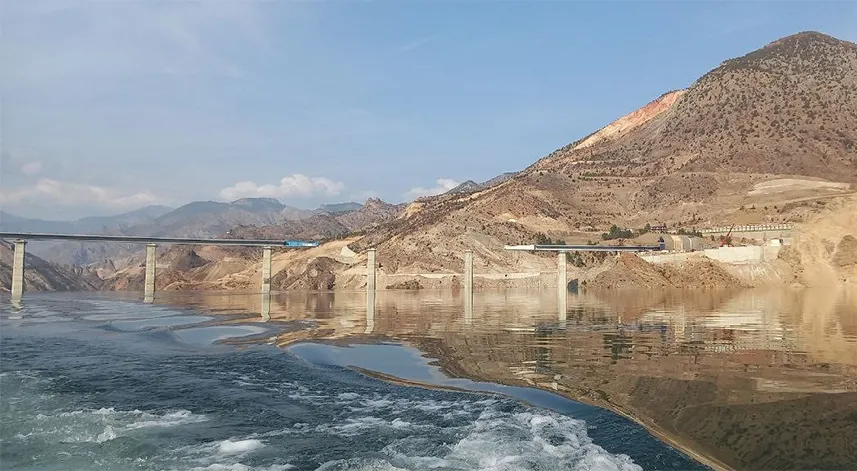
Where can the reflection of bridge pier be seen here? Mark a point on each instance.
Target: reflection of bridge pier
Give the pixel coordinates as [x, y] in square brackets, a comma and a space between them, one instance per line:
[370, 313]
[562, 285]
[265, 309]
[468, 287]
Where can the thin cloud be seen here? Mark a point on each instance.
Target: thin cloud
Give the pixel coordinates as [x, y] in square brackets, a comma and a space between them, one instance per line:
[415, 44]
[123, 39]
[443, 185]
[31, 168]
[292, 185]
[70, 194]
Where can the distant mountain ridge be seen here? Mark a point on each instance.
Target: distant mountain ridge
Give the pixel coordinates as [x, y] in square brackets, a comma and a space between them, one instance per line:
[470, 186]
[92, 224]
[198, 219]
[339, 207]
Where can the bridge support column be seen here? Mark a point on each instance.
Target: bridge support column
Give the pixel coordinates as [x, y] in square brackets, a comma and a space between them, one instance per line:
[18, 270]
[468, 271]
[149, 283]
[266, 269]
[370, 271]
[562, 283]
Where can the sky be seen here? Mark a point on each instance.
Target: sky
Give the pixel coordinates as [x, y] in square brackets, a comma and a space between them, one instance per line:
[108, 106]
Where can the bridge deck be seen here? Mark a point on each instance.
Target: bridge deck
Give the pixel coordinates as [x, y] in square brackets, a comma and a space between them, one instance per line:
[154, 240]
[583, 248]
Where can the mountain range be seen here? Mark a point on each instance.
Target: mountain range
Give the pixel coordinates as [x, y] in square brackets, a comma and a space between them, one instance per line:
[765, 137]
[199, 219]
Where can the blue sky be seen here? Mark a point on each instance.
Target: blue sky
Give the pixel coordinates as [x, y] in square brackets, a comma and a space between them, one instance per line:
[112, 105]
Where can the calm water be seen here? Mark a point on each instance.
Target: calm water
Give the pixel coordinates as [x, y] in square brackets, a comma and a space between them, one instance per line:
[752, 380]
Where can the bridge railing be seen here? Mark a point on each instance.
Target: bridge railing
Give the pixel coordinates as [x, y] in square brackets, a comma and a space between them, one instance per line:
[747, 228]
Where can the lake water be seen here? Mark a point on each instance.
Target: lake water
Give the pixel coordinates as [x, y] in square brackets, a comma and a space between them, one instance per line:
[225, 381]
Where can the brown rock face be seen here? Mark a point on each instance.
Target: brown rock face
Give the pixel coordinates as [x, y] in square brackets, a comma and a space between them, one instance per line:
[372, 213]
[319, 275]
[187, 259]
[633, 120]
[632, 272]
[845, 254]
[410, 284]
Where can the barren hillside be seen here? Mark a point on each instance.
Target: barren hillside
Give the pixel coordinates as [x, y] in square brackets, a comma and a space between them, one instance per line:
[761, 138]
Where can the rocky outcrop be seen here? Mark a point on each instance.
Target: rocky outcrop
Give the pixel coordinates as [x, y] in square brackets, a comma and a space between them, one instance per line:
[633, 120]
[628, 271]
[409, 284]
[318, 275]
[823, 252]
[372, 213]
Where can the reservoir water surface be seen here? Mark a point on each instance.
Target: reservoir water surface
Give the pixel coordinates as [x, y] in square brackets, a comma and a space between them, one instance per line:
[421, 380]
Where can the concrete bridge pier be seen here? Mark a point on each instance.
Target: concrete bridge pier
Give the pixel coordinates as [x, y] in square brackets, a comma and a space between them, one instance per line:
[18, 270]
[266, 269]
[370, 291]
[370, 271]
[468, 271]
[562, 284]
[149, 283]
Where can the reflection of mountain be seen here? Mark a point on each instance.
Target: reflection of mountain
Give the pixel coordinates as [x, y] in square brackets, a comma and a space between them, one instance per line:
[746, 379]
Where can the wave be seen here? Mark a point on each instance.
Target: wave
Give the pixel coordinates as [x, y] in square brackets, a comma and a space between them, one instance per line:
[102, 425]
[496, 440]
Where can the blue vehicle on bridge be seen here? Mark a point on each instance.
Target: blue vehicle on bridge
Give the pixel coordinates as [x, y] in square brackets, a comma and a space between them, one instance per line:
[299, 243]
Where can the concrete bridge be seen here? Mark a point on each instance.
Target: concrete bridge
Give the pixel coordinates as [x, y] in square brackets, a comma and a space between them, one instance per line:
[751, 231]
[747, 228]
[20, 241]
[584, 248]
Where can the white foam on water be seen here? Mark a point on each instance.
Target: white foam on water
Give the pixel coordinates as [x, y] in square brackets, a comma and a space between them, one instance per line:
[239, 446]
[102, 425]
[243, 467]
[171, 419]
[495, 440]
[109, 433]
[224, 455]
